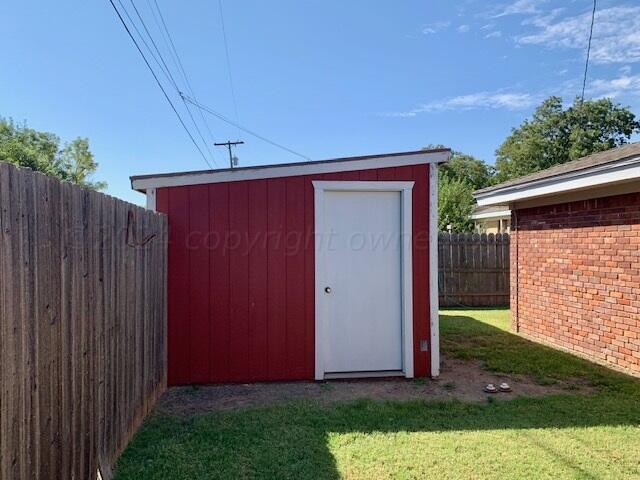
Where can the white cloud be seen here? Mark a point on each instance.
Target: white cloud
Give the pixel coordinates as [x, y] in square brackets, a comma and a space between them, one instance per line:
[542, 21]
[494, 34]
[474, 101]
[616, 34]
[463, 28]
[520, 7]
[616, 87]
[487, 26]
[435, 27]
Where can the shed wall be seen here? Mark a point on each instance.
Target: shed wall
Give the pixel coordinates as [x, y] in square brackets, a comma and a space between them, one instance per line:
[575, 277]
[241, 276]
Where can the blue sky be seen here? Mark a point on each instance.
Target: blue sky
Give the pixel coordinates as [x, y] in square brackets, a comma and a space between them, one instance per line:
[325, 78]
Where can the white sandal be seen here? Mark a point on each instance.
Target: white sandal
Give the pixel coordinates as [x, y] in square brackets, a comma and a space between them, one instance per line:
[491, 388]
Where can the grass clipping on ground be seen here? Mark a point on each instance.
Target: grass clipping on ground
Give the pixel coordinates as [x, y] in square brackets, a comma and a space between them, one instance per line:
[594, 435]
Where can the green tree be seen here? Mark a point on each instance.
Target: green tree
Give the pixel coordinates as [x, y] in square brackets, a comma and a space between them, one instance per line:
[457, 179]
[455, 204]
[41, 151]
[78, 164]
[29, 148]
[554, 135]
[468, 169]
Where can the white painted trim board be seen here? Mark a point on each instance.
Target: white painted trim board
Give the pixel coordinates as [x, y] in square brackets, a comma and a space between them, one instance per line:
[275, 171]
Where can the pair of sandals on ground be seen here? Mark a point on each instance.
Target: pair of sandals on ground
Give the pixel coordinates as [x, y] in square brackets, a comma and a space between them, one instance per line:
[503, 387]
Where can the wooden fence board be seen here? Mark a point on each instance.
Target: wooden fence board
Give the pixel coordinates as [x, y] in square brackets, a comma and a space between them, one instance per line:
[473, 269]
[82, 325]
[29, 414]
[10, 353]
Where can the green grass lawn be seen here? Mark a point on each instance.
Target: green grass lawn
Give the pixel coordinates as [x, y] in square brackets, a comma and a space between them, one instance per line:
[574, 435]
[485, 335]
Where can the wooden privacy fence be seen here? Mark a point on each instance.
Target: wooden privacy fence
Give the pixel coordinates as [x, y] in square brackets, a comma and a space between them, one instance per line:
[82, 325]
[473, 269]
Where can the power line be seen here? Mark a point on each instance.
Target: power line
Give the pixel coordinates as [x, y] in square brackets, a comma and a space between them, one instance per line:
[175, 84]
[173, 50]
[164, 67]
[185, 99]
[166, 96]
[244, 129]
[226, 49]
[193, 120]
[144, 25]
[164, 36]
[133, 24]
[586, 65]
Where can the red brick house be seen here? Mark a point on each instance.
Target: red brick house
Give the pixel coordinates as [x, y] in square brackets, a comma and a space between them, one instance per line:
[575, 255]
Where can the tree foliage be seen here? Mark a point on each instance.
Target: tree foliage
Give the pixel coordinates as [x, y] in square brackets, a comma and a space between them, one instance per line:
[78, 164]
[41, 151]
[468, 169]
[455, 204]
[554, 135]
[457, 179]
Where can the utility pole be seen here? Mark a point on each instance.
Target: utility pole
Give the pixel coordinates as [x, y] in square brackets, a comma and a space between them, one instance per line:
[229, 144]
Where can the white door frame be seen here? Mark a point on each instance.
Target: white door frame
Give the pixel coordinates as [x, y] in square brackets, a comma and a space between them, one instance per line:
[321, 237]
[434, 299]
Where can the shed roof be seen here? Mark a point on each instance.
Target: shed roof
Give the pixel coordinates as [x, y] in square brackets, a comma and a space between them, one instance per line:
[143, 182]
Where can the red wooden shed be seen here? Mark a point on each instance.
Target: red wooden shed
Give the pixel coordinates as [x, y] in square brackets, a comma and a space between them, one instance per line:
[302, 271]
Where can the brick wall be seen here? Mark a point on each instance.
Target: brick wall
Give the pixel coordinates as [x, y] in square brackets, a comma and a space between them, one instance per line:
[575, 277]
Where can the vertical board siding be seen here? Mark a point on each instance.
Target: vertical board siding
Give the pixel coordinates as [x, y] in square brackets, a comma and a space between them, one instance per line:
[179, 285]
[238, 248]
[200, 335]
[260, 271]
[276, 275]
[420, 254]
[295, 278]
[219, 293]
[473, 270]
[309, 283]
[82, 325]
[258, 282]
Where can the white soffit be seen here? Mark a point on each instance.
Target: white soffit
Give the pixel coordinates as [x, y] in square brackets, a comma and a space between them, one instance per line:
[498, 214]
[144, 182]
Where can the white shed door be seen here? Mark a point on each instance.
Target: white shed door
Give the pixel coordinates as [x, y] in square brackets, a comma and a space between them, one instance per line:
[362, 272]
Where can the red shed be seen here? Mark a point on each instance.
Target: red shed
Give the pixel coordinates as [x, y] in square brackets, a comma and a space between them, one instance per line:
[302, 271]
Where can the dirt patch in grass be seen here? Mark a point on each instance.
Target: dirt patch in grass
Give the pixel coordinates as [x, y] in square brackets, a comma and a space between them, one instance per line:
[459, 379]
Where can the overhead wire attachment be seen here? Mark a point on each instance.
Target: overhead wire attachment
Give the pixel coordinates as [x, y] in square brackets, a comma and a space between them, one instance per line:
[244, 129]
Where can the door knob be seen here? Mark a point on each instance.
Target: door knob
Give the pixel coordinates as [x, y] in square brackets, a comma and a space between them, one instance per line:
[327, 289]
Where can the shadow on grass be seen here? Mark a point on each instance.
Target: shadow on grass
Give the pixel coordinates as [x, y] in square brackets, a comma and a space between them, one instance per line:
[297, 439]
[502, 351]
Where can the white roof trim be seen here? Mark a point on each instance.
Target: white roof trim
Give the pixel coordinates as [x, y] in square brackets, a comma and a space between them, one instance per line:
[275, 171]
[602, 175]
[498, 214]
